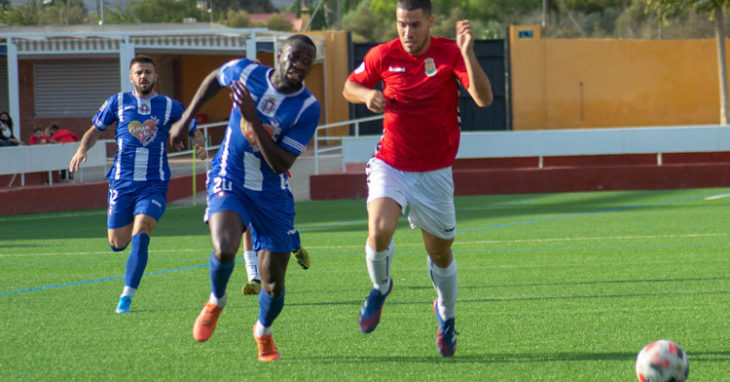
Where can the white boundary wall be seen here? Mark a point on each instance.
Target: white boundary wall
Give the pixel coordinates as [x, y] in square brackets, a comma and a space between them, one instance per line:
[48, 157]
[540, 143]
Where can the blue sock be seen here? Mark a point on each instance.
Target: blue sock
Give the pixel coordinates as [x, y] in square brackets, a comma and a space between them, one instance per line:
[269, 307]
[219, 275]
[137, 261]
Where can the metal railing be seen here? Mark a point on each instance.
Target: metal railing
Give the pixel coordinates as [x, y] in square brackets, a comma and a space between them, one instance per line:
[331, 152]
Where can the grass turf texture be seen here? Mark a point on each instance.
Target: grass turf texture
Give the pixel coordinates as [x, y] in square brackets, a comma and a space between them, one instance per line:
[553, 287]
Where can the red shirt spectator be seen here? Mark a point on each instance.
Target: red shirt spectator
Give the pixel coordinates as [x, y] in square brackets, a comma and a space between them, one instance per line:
[61, 135]
[39, 137]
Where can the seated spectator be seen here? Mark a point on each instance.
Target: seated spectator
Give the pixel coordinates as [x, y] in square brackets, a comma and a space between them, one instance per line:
[61, 135]
[39, 137]
[6, 131]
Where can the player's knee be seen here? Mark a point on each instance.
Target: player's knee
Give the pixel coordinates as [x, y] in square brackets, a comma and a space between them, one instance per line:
[224, 253]
[381, 239]
[116, 247]
[273, 289]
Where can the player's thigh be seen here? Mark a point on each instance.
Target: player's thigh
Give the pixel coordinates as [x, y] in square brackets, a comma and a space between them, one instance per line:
[151, 201]
[225, 228]
[383, 215]
[272, 220]
[387, 200]
[431, 201]
[227, 217]
[121, 201]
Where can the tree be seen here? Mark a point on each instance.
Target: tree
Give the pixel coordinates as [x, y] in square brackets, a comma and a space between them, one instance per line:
[715, 9]
[279, 23]
[250, 6]
[238, 19]
[153, 11]
[55, 13]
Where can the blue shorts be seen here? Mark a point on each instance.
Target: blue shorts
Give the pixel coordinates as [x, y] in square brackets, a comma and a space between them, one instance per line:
[129, 198]
[270, 214]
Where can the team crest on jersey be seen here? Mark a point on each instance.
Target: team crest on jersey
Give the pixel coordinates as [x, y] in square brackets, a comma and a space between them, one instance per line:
[144, 131]
[268, 106]
[430, 66]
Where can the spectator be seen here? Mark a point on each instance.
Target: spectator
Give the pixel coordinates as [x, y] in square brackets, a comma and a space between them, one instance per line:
[39, 137]
[6, 131]
[61, 135]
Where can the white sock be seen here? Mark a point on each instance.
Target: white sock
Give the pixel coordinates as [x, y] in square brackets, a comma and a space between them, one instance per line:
[252, 265]
[260, 330]
[128, 291]
[446, 283]
[379, 266]
[219, 302]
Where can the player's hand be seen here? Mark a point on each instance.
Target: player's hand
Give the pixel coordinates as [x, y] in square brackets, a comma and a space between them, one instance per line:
[464, 36]
[375, 101]
[242, 98]
[178, 135]
[200, 152]
[78, 158]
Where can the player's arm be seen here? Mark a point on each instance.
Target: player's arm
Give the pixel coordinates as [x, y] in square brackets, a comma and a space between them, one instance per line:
[480, 89]
[199, 140]
[208, 89]
[357, 93]
[87, 142]
[278, 158]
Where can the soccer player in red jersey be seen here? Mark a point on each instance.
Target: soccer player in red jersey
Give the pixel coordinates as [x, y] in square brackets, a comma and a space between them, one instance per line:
[412, 162]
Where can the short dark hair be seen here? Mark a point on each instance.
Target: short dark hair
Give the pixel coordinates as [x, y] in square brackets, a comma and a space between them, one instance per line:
[412, 5]
[142, 59]
[303, 38]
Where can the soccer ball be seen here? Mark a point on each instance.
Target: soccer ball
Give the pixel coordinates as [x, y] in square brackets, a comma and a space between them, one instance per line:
[662, 361]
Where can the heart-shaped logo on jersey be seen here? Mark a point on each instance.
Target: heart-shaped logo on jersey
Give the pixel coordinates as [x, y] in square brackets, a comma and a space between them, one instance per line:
[145, 131]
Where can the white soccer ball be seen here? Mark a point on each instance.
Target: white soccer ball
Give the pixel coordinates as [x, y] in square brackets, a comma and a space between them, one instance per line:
[662, 361]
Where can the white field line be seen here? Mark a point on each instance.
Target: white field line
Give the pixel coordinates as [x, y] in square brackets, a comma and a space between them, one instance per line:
[457, 243]
[720, 196]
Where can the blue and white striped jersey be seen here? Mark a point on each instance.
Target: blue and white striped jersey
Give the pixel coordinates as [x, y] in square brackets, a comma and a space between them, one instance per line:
[143, 126]
[290, 119]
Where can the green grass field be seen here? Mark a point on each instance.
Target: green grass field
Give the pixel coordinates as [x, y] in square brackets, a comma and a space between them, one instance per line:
[553, 287]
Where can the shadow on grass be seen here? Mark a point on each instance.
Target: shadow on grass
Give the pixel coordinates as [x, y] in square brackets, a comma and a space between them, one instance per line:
[482, 358]
[597, 282]
[509, 358]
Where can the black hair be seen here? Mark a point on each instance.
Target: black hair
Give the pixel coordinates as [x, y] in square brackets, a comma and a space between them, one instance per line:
[10, 119]
[303, 38]
[142, 59]
[412, 5]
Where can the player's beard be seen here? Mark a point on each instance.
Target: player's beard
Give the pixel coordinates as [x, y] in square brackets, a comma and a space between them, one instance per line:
[144, 90]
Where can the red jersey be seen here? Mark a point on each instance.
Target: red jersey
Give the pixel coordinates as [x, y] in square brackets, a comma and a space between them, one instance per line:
[37, 141]
[65, 136]
[420, 126]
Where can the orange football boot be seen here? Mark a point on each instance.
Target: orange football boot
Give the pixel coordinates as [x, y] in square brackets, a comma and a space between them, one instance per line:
[206, 321]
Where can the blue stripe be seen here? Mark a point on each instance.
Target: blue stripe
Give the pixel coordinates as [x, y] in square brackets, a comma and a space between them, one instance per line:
[98, 280]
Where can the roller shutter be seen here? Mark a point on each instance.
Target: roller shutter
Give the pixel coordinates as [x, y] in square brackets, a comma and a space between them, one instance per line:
[73, 88]
[4, 104]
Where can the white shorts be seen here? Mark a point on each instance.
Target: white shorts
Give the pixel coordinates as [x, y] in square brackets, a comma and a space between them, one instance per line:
[429, 195]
